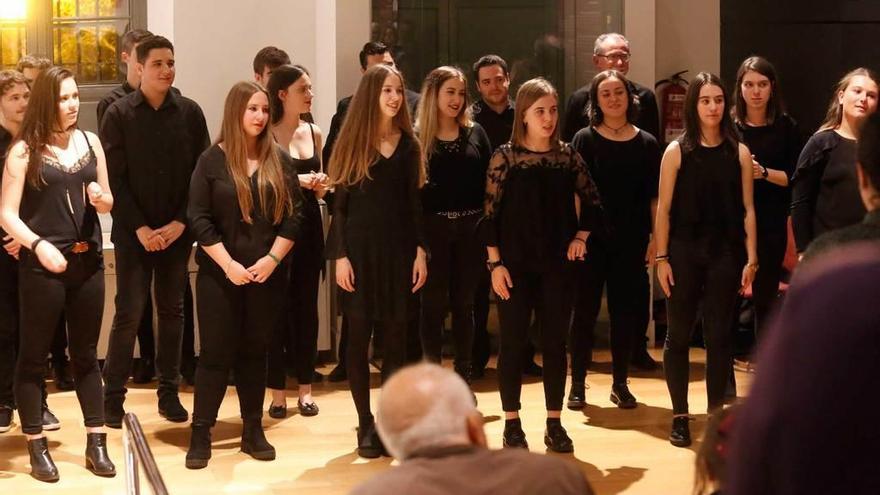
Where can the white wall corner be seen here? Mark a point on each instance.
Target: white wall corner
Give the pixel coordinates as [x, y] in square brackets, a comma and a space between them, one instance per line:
[160, 18]
[639, 26]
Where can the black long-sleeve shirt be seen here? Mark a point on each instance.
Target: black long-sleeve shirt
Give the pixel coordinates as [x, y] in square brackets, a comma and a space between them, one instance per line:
[498, 126]
[825, 188]
[215, 216]
[151, 154]
[118, 93]
[530, 211]
[457, 173]
[576, 117]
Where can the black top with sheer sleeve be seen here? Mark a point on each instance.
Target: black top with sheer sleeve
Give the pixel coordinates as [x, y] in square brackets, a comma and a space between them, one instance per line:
[215, 216]
[530, 210]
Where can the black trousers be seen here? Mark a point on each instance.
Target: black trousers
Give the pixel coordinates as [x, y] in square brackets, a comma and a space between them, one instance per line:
[394, 342]
[620, 268]
[454, 269]
[765, 288]
[297, 330]
[135, 272]
[8, 326]
[235, 322]
[79, 293]
[548, 289]
[706, 277]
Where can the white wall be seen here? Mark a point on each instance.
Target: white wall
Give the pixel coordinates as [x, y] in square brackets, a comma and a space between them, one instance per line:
[688, 36]
[352, 31]
[639, 27]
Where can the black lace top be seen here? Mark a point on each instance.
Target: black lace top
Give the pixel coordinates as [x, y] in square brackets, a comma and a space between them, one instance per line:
[530, 210]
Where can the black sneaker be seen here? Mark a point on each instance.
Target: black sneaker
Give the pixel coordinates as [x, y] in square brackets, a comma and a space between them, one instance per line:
[113, 413]
[557, 439]
[643, 361]
[63, 380]
[577, 398]
[171, 409]
[514, 438]
[621, 396]
[339, 374]
[5, 419]
[50, 422]
[680, 436]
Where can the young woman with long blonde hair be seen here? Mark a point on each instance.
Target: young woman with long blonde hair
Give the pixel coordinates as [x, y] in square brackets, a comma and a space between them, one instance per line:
[376, 235]
[540, 207]
[244, 209]
[456, 151]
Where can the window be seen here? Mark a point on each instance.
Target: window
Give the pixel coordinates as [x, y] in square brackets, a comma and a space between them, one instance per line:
[13, 42]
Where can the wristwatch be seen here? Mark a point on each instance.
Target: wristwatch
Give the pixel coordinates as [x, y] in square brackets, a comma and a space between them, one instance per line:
[492, 265]
[764, 172]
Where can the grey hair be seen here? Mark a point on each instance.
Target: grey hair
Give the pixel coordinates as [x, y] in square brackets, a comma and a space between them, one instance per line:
[444, 423]
[597, 46]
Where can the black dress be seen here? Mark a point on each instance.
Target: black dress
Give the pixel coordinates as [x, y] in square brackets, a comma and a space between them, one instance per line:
[377, 224]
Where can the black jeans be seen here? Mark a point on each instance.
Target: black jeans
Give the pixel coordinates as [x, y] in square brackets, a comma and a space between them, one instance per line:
[297, 332]
[394, 356]
[620, 268]
[135, 271]
[79, 293]
[8, 326]
[454, 269]
[235, 322]
[765, 288]
[548, 289]
[706, 277]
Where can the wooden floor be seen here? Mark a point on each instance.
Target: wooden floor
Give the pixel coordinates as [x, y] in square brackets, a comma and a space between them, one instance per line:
[619, 451]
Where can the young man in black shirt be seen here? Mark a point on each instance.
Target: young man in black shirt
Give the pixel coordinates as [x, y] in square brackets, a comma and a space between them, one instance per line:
[267, 60]
[152, 139]
[611, 51]
[494, 112]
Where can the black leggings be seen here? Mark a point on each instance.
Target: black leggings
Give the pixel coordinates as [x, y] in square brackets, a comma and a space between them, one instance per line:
[622, 270]
[548, 290]
[79, 293]
[234, 326]
[707, 278]
[298, 332]
[455, 267]
[765, 288]
[394, 356]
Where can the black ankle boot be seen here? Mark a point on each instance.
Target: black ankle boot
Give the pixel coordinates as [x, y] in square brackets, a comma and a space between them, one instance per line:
[97, 459]
[680, 435]
[254, 443]
[369, 444]
[42, 466]
[199, 447]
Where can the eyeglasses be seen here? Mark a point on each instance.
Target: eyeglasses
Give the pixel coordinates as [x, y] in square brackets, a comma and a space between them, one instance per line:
[617, 57]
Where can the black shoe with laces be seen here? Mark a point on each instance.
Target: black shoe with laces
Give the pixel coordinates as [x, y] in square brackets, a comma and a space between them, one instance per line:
[63, 380]
[171, 409]
[557, 439]
[113, 413]
[621, 396]
[680, 436]
[6, 415]
[50, 422]
[514, 438]
[577, 397]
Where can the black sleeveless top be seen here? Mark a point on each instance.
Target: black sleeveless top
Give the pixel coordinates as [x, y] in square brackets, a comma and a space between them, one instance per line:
[707, 202]
[59, 211]
[310, 243]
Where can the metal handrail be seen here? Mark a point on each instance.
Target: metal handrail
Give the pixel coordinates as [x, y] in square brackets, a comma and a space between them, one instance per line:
[137, 451]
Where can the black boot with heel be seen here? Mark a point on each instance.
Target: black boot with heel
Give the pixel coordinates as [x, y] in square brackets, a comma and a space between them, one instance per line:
[42, 466]
[97, 459]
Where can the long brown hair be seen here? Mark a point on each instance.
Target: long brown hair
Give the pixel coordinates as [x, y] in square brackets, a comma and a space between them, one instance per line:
[270, 175]
[693, 133]
[357, 148]
[427, 120]
[834, 115]
[775, 106]
[41, 119]
[530, 92]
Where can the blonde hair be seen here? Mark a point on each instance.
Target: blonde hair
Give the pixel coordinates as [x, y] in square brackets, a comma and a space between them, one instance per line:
[357, 148]
[834, 115]
[270, 175]
[427, 120]
[530, 92]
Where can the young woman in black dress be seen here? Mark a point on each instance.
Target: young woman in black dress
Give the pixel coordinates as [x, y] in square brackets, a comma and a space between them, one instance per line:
[540, 208]
[456, 151]
[825, 186]
[290, 99]
[376, 236]
[772, 137]
[244, 209]
[625, 163]
[705, 235]
[54, 185]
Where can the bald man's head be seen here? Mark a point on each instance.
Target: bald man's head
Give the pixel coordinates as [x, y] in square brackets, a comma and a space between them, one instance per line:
[427, 406]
